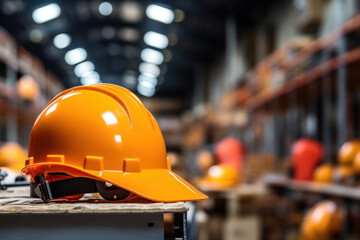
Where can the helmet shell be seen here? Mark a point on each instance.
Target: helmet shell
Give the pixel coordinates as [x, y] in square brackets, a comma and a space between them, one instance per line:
[104, 132]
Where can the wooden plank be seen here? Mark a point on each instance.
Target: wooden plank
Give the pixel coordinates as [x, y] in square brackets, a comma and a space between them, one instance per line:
[96, 206]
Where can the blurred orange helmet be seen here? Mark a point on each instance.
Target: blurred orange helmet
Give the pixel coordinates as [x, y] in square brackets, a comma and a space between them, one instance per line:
[222, 176]
[27, 88]
[322, 221]
[324, 174]
[104, 137]
[306, 155]
[230, 151]
[12, 155]
[348, 151]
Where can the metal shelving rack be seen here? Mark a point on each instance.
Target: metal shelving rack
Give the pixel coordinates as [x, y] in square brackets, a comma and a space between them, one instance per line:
[328, 81]
[15, 62]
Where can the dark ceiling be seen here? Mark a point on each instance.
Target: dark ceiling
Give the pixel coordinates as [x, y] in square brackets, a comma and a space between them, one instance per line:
[200, 37]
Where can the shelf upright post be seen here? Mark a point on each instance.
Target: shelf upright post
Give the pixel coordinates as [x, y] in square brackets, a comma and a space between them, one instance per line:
[230, 52]
[292, 123]
[311, 112]
[341, 75]
[250, 132]
[11, 117]
[277, 131]
[326, 109]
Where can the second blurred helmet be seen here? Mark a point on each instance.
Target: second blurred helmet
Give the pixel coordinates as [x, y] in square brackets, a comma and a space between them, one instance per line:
[27, 88]
[324, 174]
[222, 176]
[13, 156]
[348, 151]
[322, 221]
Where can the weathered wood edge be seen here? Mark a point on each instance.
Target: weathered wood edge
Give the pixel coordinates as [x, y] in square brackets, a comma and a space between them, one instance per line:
[36, 206]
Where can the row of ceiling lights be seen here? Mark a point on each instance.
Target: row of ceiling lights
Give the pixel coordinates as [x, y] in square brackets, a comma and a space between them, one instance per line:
[149, 68]
[85, 70]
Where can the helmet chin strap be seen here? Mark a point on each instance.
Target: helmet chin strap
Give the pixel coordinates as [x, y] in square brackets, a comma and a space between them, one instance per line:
[51, 190]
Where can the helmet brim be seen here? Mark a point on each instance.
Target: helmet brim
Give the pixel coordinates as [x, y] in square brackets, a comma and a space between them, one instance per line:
[160, 185]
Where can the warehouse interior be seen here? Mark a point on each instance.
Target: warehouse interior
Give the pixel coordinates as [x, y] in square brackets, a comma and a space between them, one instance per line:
[258, 103]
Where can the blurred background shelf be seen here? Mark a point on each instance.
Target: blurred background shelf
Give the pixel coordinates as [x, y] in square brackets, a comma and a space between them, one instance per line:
[265, 99]
[281, 182]
[237, 88]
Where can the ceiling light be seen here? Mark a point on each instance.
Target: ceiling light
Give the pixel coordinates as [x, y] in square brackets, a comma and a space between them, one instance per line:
[83, 68]
[152, 56]
[36, 35]
[75, 56]
[147, 81]
[129, 34]
[92, 74]
[46, 13]
[62, 40]
[105, 8]
[131, 11]
[12, 6]
[156, 40]
[159, 13]
[149, 69]
[146, 84]
[172, 39]
[90, 78]
[179, 15]
[145, 91]
[88, 81]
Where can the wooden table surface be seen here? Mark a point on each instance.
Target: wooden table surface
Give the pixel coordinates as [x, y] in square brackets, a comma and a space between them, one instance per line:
[15, 201]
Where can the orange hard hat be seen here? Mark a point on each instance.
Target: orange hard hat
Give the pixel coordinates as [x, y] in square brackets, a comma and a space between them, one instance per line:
[12, 155]
[306, 155]
[222, 176]
[324, 174]
[104, 137]
[348, 151]
[322, 221]
[27, 88]
[230, 151]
